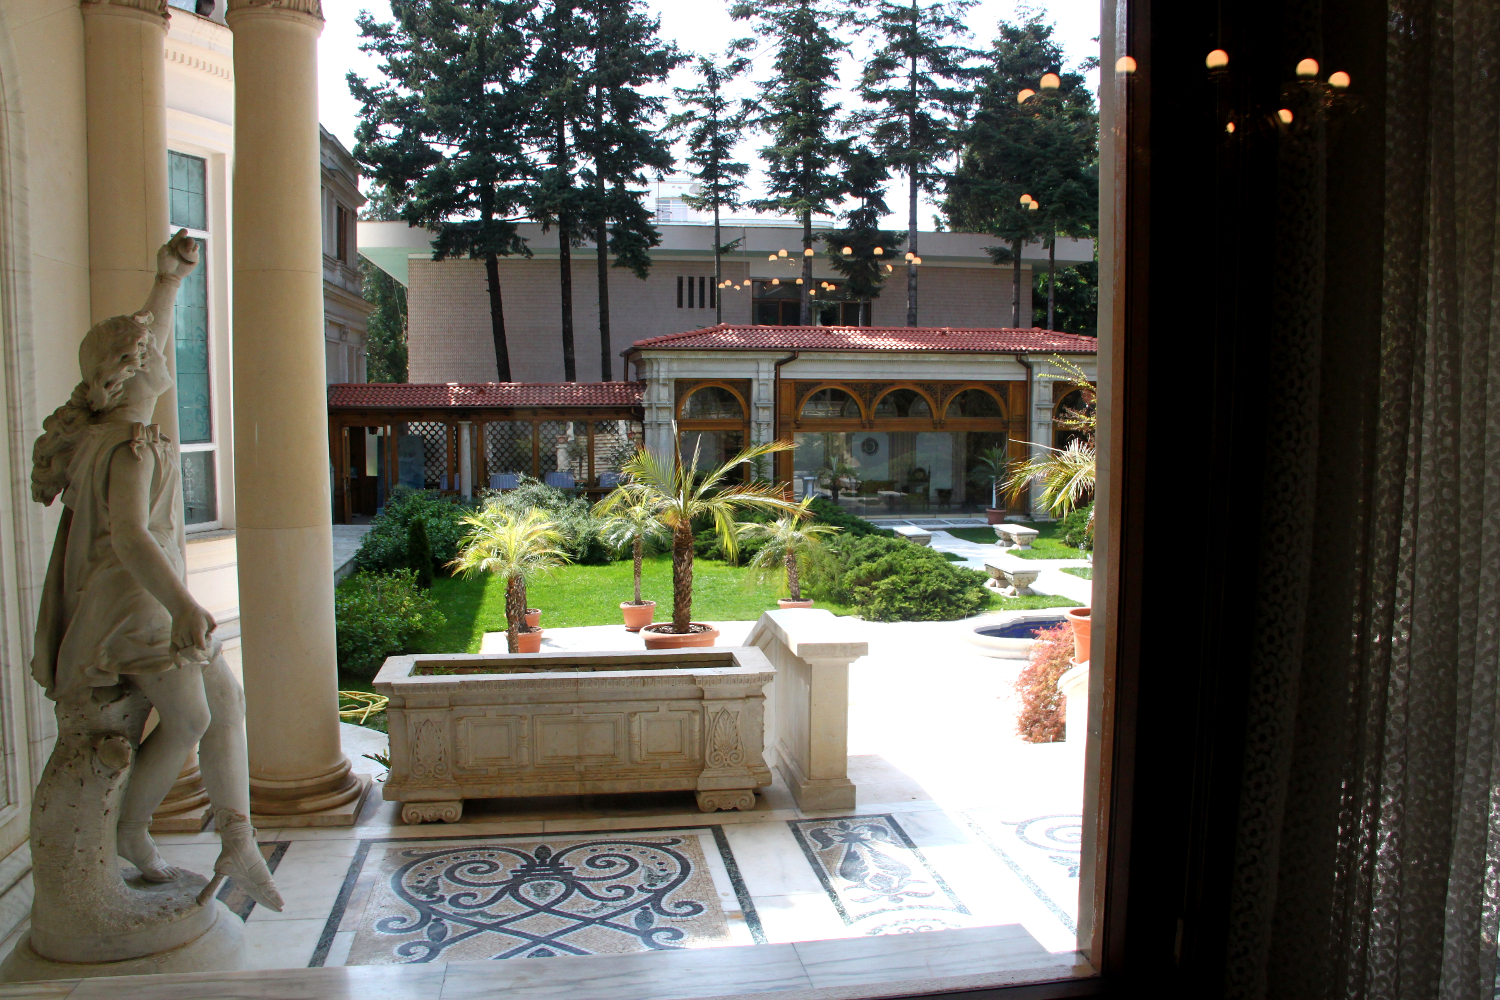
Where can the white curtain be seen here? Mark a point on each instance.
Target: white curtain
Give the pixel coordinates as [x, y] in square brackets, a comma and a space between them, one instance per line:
[1370, 813]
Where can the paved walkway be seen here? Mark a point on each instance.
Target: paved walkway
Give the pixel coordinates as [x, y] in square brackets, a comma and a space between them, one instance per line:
[1052, 581]
[346, 542]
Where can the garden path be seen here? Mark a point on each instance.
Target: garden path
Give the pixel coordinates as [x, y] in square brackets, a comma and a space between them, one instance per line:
[1053, 580]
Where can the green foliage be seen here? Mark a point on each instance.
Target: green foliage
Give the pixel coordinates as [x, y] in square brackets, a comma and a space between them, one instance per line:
[377, 615]
[1077, 529]
[385, 545]
[1047, 545]
[1041, 717]
[1082, 572]
[385, 341]
[1076, 300]
[825, 511]
[582, 533]
[419, 552]
[892, 580]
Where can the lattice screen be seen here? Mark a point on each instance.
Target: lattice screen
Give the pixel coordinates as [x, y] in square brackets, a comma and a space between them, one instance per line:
[434, 452]
[507, 447]
[564, 447]
[614, 442]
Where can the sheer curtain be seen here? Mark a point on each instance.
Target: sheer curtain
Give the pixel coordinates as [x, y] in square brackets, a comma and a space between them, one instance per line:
[1370, 811]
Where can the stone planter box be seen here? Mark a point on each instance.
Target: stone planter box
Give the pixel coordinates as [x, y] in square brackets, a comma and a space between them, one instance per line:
[484, 726]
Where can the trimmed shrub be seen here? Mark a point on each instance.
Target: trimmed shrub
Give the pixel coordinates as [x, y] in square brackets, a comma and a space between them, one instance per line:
[1041, 717]
[828, 512]
[891, 580]
[582, 540]
[708, 545]
[386, 545]
[378, 615]
[1077, 529]
[419, 553]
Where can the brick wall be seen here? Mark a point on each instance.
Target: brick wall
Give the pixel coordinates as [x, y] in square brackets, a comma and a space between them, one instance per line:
[449, 315]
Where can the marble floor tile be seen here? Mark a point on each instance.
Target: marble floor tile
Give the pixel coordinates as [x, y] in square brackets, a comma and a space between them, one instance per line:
[802, 916]
[413, 982]
[770, 860]
[660, 975]
[56, 990]
[280, 944]
[309, 878]
[962, 952]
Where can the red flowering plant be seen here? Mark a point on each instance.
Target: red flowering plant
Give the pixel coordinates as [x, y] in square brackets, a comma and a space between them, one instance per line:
[1041, 717]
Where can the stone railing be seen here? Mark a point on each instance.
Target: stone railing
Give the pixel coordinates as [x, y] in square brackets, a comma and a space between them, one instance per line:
[808, 712]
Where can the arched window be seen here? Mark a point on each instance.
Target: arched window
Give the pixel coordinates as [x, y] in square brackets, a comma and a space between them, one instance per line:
[830, 404]
[1067, 415]
[712, 402]
[903, 403]
[974, 403]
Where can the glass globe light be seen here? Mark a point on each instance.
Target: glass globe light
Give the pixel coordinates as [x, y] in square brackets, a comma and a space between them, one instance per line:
[1339, 80]
[1217, 59]
[1307, 69]
[1050, 81]
[1025, 95]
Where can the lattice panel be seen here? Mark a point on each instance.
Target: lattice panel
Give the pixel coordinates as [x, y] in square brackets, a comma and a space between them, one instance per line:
[615, 441]
[434, 451]
[563, 446]
[507, 446]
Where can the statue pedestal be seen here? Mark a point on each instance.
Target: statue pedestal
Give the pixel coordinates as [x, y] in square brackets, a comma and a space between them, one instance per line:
[219, 948]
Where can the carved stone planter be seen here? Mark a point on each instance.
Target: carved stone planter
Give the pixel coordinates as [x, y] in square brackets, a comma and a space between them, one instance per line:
[497, 726]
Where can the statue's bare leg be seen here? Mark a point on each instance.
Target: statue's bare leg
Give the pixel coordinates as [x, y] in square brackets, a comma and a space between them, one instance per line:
[224, 761]
[182, 718]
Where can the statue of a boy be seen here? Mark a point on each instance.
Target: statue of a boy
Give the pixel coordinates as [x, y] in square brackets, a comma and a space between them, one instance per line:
[116, 609]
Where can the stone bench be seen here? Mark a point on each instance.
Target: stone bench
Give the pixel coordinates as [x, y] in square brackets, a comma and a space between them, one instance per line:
[1011, 577]
[912, 533]
[1017, 535]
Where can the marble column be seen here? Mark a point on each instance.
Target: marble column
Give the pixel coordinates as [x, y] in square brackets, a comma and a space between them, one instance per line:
[125, 81]
[299, 775]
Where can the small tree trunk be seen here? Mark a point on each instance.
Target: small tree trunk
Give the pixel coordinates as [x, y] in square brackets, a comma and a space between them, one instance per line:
[497, 318]
[718, 268]
[911, 246]
[1015, 302]
[682, 578]
[636, 550]
[565, 274]
[806, 287]
[601, 240]
[793, 579]
[515, 612]
[1052, 282]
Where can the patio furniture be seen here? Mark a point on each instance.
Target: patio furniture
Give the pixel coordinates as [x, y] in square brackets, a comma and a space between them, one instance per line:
[560, 480]
[1010, 576]
[1016, 535]
[913, 534]
[505, 480]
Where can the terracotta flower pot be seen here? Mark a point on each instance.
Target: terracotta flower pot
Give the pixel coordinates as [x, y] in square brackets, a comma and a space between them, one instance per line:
[637, 616]
[671, 640]
[529, 641]
[994, 515]
[786, 602]
[533, 617]
[1083, 627]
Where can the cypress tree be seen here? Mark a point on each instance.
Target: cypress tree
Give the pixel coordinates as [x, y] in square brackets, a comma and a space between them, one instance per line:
[712, 125]
[798, 117]
[916, 84]
[863, 269]
[444, 133]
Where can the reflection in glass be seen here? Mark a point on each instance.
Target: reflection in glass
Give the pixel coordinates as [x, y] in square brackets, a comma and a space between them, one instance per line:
[903, 403]
[190, 335]
[712, 402]
[704, 451]
[199, 499]
[881, 472]
[826, 403]
[974, 403]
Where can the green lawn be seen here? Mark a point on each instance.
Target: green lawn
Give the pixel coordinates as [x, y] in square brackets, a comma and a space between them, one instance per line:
[591, 595]
[1046, 545]
[1032, 603]
[1084, 572]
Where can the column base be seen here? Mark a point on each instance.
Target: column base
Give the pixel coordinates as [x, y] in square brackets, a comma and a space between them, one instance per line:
[814, 793]
[316, 811]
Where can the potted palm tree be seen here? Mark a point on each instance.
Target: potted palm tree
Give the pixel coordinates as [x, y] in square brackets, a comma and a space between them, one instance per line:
[989, 468]
[788, 539]
[634, 527]
[675, 494]
[518, 548]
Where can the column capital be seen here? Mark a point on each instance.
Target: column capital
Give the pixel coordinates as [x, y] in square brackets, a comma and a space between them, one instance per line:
[151, 10]
[308, 8]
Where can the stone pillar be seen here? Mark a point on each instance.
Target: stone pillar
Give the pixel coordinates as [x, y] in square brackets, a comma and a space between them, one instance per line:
[299, 775]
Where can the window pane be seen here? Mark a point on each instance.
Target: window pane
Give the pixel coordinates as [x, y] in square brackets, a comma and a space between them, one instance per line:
[712, 402]
[711, 449]
[200, 502]
[830, 403]
[191, 335]
[187, 185]
[902, 403]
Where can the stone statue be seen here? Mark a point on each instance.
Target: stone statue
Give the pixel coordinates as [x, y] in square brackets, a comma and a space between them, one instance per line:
[118, 634]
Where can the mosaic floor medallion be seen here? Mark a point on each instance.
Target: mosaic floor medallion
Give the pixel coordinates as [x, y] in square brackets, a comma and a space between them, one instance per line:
[877, 878]
[467, 899]
[1043, 852]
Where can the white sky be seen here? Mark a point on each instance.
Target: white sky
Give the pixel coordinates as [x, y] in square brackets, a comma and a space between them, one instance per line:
[698, 26]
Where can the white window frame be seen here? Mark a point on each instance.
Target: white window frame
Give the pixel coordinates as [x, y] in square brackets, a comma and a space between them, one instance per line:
[212, 444]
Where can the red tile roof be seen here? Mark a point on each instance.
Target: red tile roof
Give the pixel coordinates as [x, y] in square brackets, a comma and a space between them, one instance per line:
[407, 396]
[969, 340]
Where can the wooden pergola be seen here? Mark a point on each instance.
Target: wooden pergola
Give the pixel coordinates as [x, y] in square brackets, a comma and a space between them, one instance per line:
[457, 439]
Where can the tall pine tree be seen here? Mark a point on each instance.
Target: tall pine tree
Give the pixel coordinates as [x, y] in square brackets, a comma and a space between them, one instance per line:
[561, 36]
[628, 55]
[713, 124]
[802, 172]
[863, 268]
[915, 83]
[1023, 154]
[444, 132]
